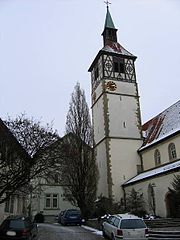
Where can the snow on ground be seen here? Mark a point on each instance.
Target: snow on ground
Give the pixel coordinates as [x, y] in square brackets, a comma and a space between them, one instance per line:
[93, 230]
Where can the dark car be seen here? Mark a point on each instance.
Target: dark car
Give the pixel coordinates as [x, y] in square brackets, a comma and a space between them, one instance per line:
[71, 216]
[18, 228]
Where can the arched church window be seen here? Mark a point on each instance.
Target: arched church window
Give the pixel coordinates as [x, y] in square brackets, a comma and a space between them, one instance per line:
[172, 151]
[157, 157]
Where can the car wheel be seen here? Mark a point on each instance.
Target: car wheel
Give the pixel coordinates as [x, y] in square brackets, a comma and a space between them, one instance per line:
[104, 234]
[30, 237]
[112, 237]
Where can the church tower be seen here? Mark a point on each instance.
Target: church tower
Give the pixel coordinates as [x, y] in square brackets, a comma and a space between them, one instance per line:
[115, 113]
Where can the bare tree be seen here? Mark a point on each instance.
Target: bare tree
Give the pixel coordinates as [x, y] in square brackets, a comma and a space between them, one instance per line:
[14, 164]
[38, 141]
[79, 170]
[30, 133]
[20, 154]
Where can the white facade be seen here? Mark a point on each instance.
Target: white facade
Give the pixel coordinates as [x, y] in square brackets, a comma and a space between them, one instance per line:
[116, 124]
[50, 201]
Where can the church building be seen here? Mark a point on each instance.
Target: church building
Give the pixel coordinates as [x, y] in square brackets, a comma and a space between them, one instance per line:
[129, 154]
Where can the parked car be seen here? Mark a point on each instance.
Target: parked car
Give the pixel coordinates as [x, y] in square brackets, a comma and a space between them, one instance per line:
[18, 228]
[60, 215]
[71, 216]
[124, 226]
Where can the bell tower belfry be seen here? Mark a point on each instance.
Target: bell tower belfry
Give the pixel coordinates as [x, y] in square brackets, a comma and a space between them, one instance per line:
[115, 113]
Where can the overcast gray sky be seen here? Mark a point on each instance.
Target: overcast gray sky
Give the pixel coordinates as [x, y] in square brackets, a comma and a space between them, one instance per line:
[46, 46]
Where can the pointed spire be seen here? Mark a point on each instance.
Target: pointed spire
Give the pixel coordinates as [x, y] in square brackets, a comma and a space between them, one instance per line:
[109, 22]
[109, 33]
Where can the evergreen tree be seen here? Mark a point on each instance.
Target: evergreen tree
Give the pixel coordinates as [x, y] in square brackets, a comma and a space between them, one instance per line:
[135, 203]
[176, 186]
[175, 190]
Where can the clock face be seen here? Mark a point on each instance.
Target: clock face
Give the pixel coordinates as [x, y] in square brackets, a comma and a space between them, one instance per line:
[111, 86]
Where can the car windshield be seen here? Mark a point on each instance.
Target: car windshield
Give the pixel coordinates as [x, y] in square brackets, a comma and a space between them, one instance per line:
[132, 224]
[70, 213]
[17, 224]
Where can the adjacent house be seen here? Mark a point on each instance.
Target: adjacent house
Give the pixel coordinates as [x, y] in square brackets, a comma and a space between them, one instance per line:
[50, 198]
[10, 154]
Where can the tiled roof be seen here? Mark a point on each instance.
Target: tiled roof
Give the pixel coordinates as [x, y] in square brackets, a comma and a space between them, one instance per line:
[7, 136]
[115, 47]
[154, 172]
[162, 126]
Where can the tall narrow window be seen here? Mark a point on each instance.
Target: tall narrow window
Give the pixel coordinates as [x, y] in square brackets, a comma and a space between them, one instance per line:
[172, 151]
[48, 201]
[54, 200]
[12, 204]
[157, 157]
[119, 65]
[116, 67]
[9, 205]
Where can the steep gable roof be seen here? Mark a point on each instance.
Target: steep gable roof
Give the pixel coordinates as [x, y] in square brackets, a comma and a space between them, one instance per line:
[162, 126]
[7, 136]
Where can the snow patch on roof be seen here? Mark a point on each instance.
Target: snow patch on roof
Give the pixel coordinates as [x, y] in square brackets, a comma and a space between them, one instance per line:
[154, 172]
[115, 47]
[162, 126]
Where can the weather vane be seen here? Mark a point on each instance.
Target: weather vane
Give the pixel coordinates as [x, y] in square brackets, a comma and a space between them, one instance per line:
[107, 3]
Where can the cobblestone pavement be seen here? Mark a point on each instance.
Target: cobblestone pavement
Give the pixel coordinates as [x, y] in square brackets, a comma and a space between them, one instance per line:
[58, 232]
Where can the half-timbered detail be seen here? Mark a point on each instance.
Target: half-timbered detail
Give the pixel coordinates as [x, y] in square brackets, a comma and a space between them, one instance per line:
[97, 73]
[118, 68]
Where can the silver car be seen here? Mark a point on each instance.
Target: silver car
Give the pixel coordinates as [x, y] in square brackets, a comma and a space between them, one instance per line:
[125, 226]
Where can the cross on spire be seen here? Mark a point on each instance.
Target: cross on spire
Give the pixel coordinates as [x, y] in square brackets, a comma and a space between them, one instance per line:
[107, 3]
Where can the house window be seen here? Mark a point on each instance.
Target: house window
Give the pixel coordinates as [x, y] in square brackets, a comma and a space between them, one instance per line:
[172, 151]
[119, 65]
[51, 200]
[9, 205]
[157, 157]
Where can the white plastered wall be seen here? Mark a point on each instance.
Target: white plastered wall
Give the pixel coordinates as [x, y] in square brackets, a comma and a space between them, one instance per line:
[102, 167]
[124, 160]
[148, 154]
[38, 203]
[161, 184]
